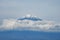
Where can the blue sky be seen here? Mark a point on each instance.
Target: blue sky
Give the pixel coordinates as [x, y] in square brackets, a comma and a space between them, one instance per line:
[46, 9]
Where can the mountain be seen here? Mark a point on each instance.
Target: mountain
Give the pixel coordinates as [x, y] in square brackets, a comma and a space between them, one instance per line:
[30, 22]
[29, 28]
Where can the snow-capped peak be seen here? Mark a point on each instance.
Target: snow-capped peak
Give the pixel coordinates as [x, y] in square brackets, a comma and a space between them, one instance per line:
[30, 17]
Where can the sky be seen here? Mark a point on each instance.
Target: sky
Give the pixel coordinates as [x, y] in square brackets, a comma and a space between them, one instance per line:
[45, 9]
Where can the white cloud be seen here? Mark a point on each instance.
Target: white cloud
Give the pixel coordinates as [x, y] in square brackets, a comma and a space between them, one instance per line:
[12, 24]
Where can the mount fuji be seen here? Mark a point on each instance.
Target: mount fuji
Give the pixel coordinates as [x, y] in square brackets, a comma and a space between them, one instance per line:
[29, 28]
[30, 22]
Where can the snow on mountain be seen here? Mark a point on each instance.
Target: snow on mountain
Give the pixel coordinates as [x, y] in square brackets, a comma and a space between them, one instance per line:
[30, 17]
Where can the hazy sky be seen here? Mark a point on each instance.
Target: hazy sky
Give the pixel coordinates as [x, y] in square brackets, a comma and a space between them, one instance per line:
[45, 9]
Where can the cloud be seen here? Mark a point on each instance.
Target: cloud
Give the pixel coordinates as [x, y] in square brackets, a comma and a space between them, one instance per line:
[13, 24]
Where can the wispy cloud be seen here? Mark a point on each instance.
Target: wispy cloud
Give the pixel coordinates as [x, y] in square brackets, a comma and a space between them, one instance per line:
[12, 24]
